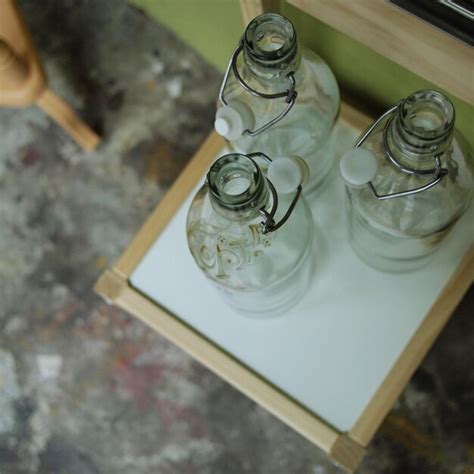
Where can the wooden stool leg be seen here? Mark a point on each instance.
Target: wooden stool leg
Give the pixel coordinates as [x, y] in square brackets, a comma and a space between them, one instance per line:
[13, 70]
[62, 114]
[22, 80]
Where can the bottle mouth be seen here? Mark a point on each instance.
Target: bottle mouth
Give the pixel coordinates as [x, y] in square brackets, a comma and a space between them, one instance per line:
[235, 181]
[428, 115]
[270, 38]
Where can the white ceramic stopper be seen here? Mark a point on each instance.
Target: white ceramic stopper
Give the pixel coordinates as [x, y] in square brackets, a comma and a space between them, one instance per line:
[222, 125]
[233, 119]
[287, 173]
[358, 166]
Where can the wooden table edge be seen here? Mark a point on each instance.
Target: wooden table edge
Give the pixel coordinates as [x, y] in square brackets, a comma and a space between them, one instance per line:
[346, 449]
[116, 289]
[415, 351]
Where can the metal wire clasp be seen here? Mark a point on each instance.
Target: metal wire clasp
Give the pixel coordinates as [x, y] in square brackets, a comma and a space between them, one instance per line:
[290, 94]
[269, 224]
[437, 172]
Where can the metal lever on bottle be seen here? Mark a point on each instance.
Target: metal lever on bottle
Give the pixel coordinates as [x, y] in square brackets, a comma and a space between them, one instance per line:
[290, 94]
[289, 175]
[358, 166]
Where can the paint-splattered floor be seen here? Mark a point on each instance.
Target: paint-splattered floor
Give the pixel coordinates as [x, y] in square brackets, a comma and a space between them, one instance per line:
[85, 388]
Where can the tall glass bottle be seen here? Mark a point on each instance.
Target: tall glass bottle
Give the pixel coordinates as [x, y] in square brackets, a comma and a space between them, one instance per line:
[252, 242]
[279, 98]
[409, 180]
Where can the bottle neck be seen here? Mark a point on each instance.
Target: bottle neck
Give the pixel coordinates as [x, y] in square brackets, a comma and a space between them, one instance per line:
[271, 48]
[238, 189]
[422, 128]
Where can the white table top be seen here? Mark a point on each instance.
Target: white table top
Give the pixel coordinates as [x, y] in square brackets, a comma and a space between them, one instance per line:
[333, 350]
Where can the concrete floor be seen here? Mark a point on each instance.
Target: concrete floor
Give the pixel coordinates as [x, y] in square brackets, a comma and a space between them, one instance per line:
[84, 387]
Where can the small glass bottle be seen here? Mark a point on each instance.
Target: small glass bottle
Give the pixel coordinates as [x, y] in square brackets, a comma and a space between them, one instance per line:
[252, 241]
[278, 98]
[409, 180]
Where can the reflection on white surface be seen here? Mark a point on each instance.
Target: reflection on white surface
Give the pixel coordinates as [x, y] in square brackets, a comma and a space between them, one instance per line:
[333, 350]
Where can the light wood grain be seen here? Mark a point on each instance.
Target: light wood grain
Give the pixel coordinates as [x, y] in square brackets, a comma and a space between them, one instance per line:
[23, 83]
[110, 285]
[168, 206]
[23, 79]
[252, 8]
[414, 352]
[403, 38]
[353, 117]
[347, 453]
[62, 114]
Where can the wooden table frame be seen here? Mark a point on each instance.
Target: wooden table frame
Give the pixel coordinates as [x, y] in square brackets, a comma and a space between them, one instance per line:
[24, 83]
[346, 449]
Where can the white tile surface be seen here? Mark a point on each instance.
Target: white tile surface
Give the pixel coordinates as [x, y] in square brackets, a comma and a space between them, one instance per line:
[333, 349]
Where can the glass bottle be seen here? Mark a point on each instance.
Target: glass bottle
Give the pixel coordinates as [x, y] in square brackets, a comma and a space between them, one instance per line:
[409, 180]
[278, 98]
[252, 242]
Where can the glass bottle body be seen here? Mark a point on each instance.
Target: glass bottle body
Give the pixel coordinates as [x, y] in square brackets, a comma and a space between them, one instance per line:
[259, 274]
[307, 129]
[401, 234]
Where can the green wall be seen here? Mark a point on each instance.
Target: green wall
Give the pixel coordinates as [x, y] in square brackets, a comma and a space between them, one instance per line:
[213, 27]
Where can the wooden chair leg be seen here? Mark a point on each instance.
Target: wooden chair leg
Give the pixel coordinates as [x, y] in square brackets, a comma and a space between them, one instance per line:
[22, 80]
[64, 116]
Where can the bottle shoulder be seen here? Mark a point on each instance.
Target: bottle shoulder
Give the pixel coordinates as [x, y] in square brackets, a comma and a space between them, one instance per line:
[457, 158]
[237, 254]
[314, 69]
[423, 213]
[306, 127]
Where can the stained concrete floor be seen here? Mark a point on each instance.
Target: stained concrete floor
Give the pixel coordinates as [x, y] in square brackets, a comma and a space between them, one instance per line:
[84, 387]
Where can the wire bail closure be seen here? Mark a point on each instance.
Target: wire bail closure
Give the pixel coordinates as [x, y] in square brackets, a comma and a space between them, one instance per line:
[437, 172]
[290, 94]
[269, 224]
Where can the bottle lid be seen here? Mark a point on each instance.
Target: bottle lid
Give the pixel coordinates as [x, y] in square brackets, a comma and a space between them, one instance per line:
[287, 173]
[232, 120]
[222, 125]
[358, 166]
